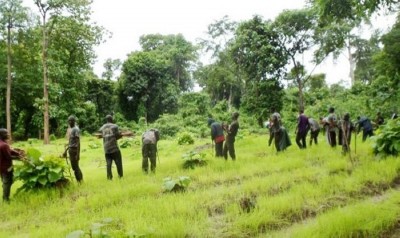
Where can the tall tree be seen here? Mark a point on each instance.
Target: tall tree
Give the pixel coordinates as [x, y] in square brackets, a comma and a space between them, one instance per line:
[146, 87]
[179, 53]
[50, 11]
[295, 30]
[12, 15]
[221, 79]
[257, 52]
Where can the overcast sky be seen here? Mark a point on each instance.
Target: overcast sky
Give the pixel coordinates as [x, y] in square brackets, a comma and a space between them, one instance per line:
[127, 20]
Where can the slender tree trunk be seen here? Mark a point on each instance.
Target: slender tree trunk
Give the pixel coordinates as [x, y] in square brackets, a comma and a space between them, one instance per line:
[230, 99]
[9, 79]
[352, 65]
[45, 85]
[301, 95]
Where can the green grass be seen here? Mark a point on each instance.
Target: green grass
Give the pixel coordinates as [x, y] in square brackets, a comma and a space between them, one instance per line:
[315, 192]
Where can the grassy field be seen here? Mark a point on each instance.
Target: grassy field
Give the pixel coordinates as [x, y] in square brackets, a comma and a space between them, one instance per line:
[315, 192]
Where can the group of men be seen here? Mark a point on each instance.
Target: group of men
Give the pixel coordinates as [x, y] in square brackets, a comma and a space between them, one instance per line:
[337, 130]
[109, 132]
[223, 136]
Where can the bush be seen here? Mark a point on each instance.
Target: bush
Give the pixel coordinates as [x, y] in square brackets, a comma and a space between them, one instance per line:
[40, 172]
[185, 138]
[387, 139]
[168, 125]
[126, 142]
[193, 159]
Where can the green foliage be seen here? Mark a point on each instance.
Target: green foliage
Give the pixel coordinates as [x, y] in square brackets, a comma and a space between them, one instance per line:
[168, 125]
[40, 172]
[179, 184]
[192, 104]
[387, 138]
[185, 139]
[194, 159]
[126, 142]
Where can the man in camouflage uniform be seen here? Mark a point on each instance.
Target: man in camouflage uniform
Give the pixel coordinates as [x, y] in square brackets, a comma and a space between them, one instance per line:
[73, 148]
[149, 150]
[231, 130]
[217, 136]
[346, 127]
[110, 134]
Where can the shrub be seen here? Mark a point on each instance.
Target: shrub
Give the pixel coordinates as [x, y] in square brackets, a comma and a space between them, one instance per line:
[387, 139]
[126, 142]
[185, 138]
[40, 172]
[168, 125]
[193, 159]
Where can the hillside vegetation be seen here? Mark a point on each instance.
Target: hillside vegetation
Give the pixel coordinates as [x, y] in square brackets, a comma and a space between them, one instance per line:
[315, 192]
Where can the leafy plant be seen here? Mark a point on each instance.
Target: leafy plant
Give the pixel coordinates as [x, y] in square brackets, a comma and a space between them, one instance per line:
[97, 230]
[193, 159]
[387, 139]
[176, 185]
[126, 142]
[40, 172]
[94, 145]
[185, 138]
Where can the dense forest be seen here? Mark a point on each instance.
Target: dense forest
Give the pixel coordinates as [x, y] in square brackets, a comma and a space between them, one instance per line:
[256, 66]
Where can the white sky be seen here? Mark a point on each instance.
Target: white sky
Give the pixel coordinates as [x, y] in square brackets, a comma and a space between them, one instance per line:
[127, 20]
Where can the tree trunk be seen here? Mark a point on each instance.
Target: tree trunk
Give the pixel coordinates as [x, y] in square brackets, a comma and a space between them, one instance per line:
[301, 95]
[352, 66]
[45, 86]
[8, 100]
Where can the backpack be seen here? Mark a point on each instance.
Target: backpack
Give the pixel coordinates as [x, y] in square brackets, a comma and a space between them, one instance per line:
[149, 137]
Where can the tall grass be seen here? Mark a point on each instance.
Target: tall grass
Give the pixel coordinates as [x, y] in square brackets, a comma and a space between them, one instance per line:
[315, 192]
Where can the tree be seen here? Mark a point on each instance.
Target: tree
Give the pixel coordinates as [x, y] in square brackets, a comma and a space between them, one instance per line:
[220, 79]
[366, 49]
[110, 66]
[337, 10]
[295, 31]
[101, 94]
[13, 15]
[178, 53]
[146, 87]
[257, 53]
[50, 11]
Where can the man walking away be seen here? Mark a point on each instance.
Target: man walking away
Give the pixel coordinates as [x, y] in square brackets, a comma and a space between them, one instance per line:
[231, 131]
[365, 123]
[301, 130]
[314, 130]
[73, 148]
[110, 134]
[217, 136]
[149, 150]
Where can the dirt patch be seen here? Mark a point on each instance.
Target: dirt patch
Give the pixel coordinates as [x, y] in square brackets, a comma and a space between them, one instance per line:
[201, 148]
